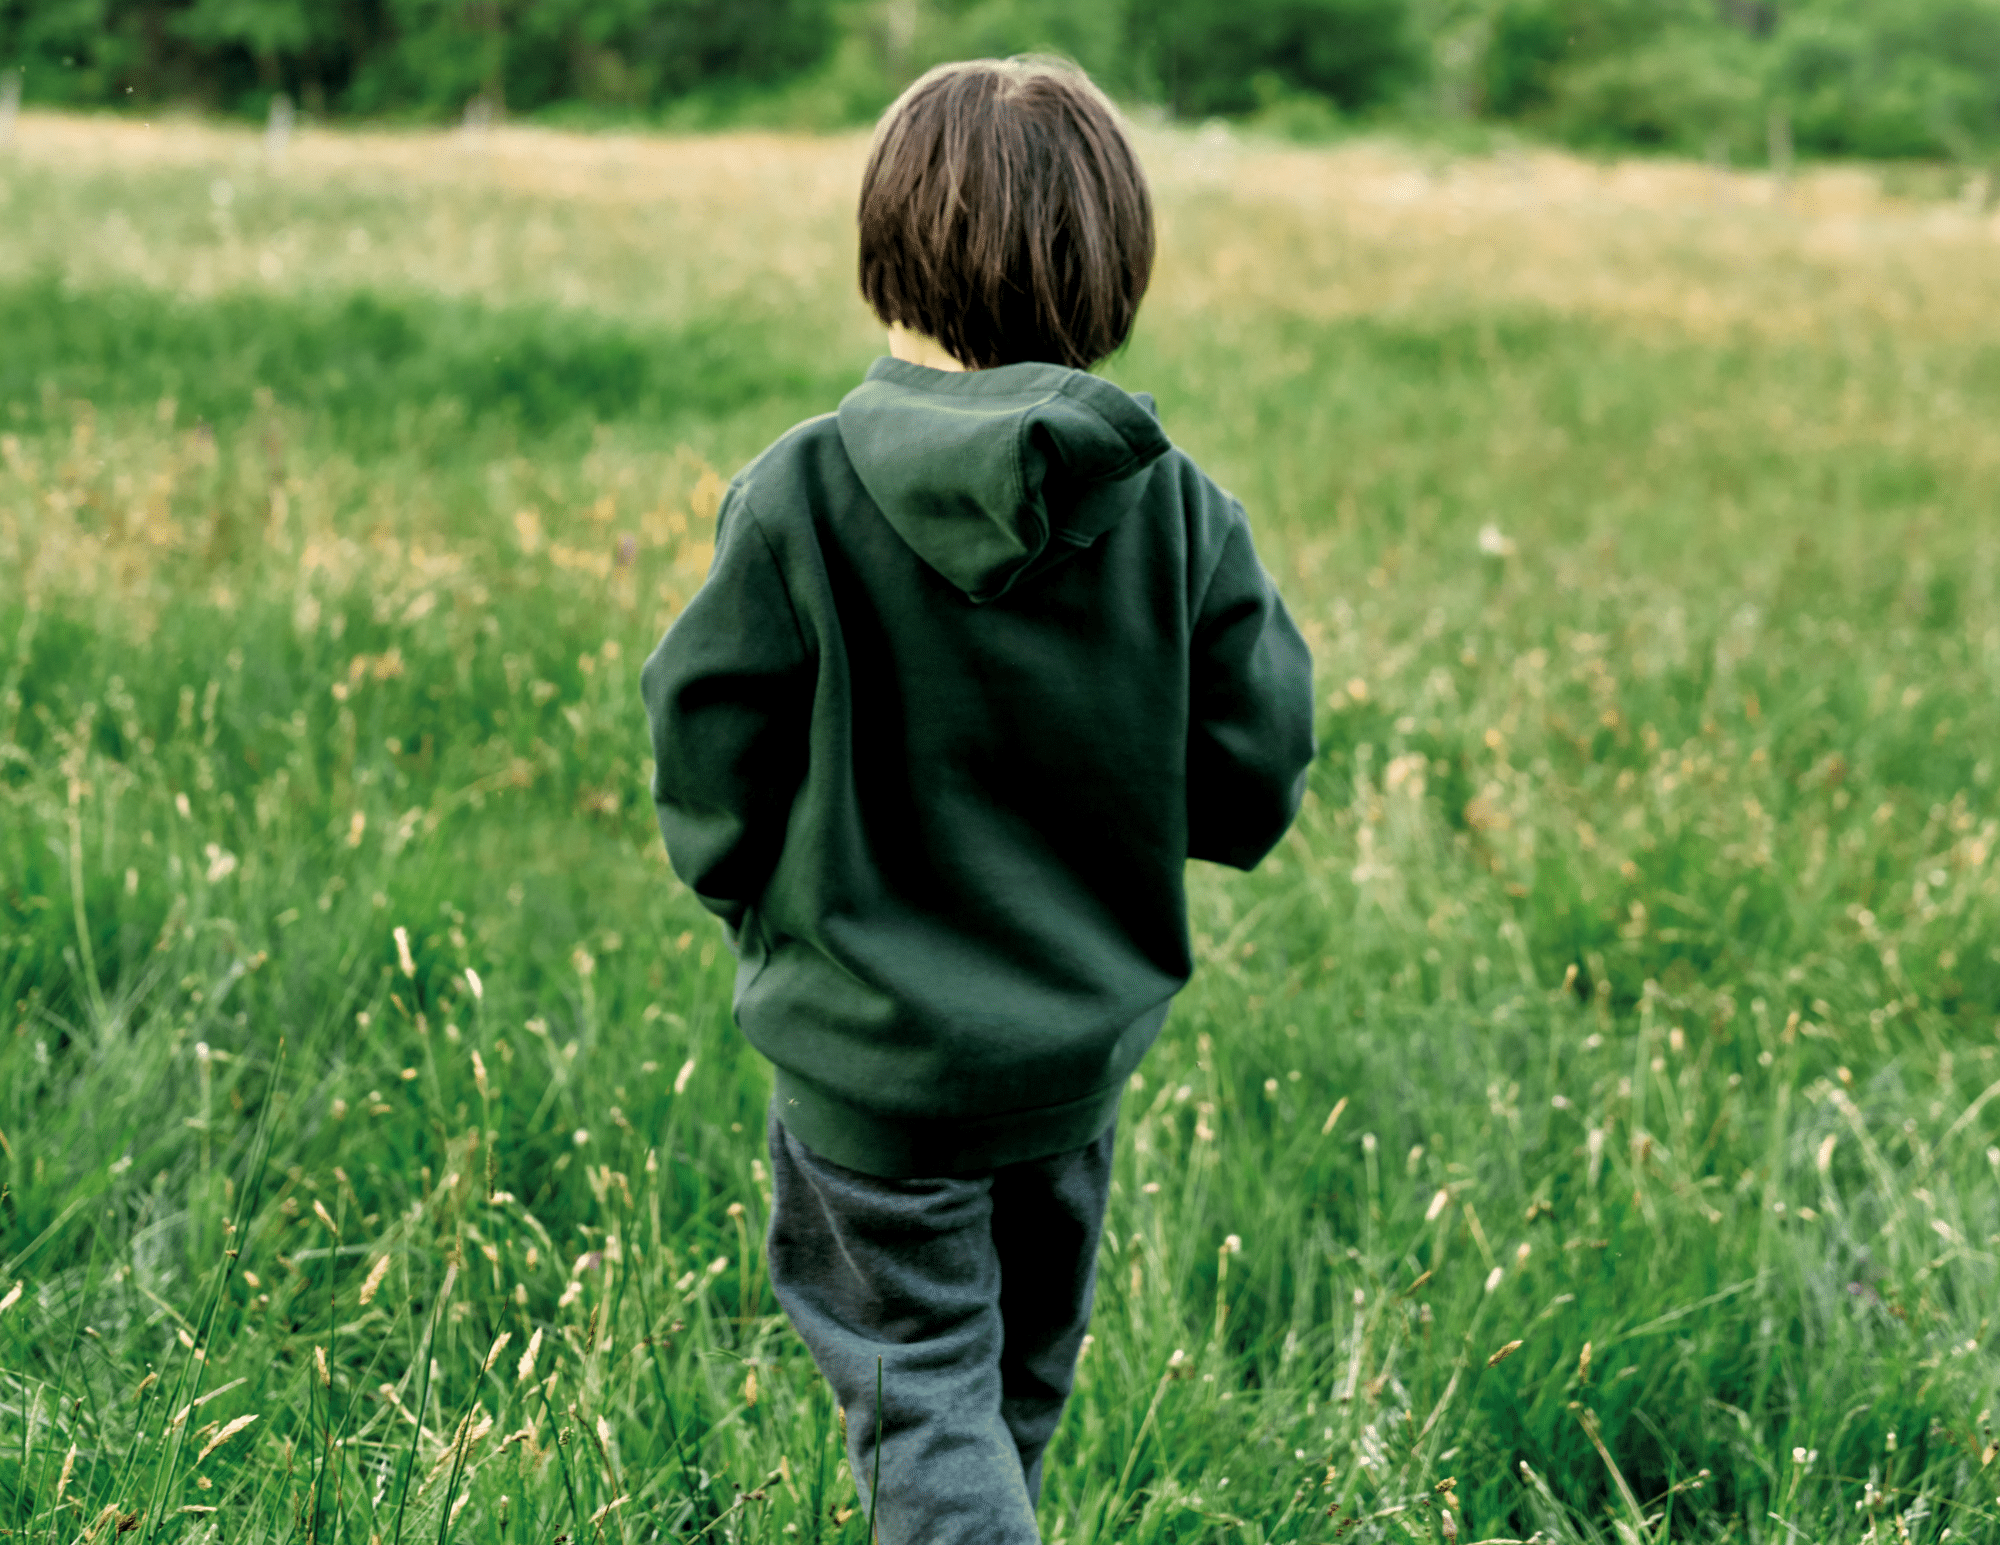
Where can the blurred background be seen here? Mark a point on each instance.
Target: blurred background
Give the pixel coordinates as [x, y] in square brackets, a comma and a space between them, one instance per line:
[1749, 81]
[1600, 1085]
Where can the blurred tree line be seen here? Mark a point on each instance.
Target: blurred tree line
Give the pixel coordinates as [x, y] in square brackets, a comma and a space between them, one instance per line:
[1875, 78]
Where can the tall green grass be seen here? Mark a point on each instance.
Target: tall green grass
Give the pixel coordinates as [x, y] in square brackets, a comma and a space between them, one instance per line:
[1580, 1126]
[362, 367]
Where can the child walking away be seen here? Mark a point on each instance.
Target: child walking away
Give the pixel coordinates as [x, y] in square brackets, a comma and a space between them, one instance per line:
[981, 662]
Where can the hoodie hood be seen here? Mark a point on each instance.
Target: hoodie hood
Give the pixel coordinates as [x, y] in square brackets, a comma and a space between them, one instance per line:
[993, 474]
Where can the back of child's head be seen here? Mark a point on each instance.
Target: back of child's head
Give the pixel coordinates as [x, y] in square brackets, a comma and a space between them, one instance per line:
[1005, 215]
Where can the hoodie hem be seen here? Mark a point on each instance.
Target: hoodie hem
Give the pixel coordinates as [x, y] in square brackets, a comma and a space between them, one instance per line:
[906, 1148]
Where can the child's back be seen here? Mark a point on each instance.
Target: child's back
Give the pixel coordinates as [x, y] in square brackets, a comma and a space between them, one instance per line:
[981, 662]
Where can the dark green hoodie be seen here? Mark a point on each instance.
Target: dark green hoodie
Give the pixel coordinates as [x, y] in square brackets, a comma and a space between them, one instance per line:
[982, 660]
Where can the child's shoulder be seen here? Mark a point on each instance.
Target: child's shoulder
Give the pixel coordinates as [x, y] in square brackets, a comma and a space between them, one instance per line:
[805, 454]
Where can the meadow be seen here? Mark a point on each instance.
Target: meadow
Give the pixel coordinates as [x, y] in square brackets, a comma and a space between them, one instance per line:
[1582, 1128]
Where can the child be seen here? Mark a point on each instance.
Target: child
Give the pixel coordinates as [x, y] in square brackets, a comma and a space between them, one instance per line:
[982, 660]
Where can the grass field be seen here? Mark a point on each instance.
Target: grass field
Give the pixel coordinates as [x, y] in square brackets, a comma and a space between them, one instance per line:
[1580, 1128]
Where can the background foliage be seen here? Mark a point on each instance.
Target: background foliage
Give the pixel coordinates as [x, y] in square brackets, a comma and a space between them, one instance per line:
[1880, 78]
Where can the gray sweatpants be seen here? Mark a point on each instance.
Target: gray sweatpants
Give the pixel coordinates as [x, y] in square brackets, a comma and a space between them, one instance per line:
[974, 1292]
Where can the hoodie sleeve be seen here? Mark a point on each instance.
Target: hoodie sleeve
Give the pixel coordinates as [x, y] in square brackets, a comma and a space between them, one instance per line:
[1250, 737]
[729, 694]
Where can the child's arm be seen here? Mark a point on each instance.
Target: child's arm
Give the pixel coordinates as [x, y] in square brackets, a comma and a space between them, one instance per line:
[729, 695]
[1250, 735]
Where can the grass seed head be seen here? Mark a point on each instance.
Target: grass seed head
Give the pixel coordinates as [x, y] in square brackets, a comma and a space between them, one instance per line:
[602, 1513]
[525, 1369]
[13, 1297]
[499, 1346]
[1503, 1353]
[373, 1281]
[325, 1373]
[234, 1426]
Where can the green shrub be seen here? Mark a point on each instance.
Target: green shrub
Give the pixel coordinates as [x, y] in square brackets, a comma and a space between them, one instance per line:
[1535, 43]
[1682, 91]
[1878, 78]
[1300, 116]
[1528, 44]
[69, 50]
[426, 55]
[1091, 34]
[1201, 57]
[1205, 55]
[1918, 79]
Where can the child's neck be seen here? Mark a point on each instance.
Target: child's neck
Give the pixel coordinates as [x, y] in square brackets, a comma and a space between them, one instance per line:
[916, 349]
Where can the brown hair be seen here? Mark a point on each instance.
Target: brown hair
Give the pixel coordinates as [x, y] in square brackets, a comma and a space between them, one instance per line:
[1004, 214]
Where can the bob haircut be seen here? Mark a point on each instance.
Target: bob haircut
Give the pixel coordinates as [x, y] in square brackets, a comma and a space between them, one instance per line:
[1004, 214]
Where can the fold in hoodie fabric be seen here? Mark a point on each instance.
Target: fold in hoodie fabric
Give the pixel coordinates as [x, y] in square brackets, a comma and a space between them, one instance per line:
[981, 661]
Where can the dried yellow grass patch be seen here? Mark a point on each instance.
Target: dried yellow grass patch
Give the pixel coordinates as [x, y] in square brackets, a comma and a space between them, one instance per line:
[1663, 246]
[608, 168]
[650, 226]
[656, 226]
